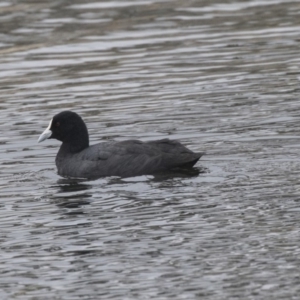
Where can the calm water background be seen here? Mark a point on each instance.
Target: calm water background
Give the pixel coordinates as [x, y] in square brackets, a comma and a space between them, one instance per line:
[221, 76]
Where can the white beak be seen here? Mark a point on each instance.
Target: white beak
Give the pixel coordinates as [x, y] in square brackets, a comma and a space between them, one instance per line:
[46, 134]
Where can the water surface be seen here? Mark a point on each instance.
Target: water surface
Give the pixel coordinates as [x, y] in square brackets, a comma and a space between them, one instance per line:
[223, 77]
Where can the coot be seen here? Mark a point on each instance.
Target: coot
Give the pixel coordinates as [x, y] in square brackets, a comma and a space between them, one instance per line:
[76, 158]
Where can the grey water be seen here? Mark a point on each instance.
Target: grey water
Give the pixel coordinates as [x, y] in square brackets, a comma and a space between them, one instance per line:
[220, 76]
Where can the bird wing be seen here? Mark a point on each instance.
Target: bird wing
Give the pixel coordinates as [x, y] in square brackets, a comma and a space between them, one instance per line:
[133, 157]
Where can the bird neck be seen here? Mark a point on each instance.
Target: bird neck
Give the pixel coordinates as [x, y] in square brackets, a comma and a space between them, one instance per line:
[76, 141]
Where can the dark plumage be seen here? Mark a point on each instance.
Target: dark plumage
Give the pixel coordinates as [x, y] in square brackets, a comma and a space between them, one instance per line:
[76, 158]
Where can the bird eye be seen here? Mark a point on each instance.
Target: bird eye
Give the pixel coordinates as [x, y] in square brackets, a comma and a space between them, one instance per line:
[57, 124]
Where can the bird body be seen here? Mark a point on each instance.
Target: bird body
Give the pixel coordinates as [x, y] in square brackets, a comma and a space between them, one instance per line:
[76, 158]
